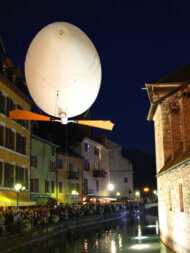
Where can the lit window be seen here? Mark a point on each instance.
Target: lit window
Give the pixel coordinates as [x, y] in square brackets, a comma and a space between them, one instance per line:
[87, 147]
[96, 165]
[86, 164]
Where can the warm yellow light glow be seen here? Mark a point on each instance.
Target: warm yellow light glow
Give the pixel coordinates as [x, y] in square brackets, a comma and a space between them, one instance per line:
[118, 193]
[140, 246]
[84, 199]
[140, 237]
[110, 187]
[146, 189]
[74, 192]
[139, 231]
[137, 193]
[68, 72]
[18, 187]
[113, 247]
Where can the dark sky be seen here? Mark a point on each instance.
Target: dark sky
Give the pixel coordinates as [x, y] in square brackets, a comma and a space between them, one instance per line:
[138, 41]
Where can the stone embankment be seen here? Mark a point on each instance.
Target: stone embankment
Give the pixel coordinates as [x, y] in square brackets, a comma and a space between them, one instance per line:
[9, 243]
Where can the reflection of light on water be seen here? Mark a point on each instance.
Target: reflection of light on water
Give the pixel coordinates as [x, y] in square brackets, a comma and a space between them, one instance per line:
[151, 226]
[140, 237]
[120, 241]
[140, 246]
[157, 228]
[96, 242]
[139, 231]
[113, 248]
[85, 245]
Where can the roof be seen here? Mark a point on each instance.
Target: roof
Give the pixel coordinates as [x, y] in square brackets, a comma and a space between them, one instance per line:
[70, 154]
[16, 89]
[159, 101]
[180, 158]
[97, 141]
[180, 75]
[45, 141]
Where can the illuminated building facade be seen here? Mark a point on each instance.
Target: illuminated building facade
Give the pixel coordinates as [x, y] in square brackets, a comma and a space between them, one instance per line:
[14, 137]
[70, 174]
[44, 186]
[121, 170]
[170, 110]
[96, 167]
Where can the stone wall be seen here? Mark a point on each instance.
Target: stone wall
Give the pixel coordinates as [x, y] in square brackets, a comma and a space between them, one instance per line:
[172, 138]
[174, 208]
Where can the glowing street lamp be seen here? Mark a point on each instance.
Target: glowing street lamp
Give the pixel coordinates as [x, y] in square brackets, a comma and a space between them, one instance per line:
[74, 193]
[118, 194]
[146, 189]
[137, 194]
[110, 187]
[155, 192]
[19, 187]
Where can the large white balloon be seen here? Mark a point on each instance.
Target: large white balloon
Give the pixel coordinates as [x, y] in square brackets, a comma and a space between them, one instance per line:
[62, 69]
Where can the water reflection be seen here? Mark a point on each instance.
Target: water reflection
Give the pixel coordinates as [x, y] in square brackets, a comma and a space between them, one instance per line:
[126, 235]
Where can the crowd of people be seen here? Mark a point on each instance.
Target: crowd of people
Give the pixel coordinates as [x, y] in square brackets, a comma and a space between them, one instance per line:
[12, 221]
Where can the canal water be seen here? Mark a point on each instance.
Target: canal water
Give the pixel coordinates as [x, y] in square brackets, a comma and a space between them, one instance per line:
[135, 234]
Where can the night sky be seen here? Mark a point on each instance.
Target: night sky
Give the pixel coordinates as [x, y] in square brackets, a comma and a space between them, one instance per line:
[137, 41]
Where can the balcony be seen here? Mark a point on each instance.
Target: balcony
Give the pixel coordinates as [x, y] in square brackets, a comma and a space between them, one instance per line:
[99, 173]
[73, 175]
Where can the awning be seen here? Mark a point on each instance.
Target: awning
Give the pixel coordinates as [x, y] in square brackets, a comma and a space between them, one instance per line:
[9, 198]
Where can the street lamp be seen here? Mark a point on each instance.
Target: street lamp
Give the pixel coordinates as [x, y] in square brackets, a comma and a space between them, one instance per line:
[146, 189]
[110, 187]
[19, 187]
[137, 194]
[118, 194]
[74, 193]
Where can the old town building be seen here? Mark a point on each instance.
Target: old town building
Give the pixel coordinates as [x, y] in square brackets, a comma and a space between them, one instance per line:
[14, 137]
[70, 174]
[44, 185]
[96, 167]
[121, 171]
[170, 110]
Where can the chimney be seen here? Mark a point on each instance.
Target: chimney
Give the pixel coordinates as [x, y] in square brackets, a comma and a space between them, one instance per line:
[102, 137]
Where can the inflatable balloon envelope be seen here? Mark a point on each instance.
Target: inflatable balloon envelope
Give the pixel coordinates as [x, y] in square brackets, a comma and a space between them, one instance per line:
[62, 70]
